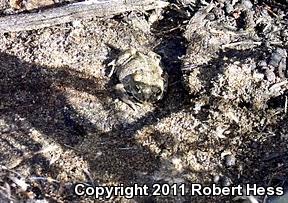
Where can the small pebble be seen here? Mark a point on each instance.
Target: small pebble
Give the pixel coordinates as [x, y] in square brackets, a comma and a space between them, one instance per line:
[270, 75]
[277, 56]
[225, 181]
[216, 179]
[210, 16]
[262, 63]
[229, 160]
[247, 4]
[229, 8]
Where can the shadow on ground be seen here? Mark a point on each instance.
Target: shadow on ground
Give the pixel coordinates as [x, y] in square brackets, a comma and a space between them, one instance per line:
[36, 94]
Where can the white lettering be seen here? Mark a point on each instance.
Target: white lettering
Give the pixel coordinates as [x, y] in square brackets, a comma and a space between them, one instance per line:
[196, 188]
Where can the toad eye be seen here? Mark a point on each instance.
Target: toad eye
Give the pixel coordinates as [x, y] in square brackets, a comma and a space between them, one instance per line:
[158, 92]
[158, 57]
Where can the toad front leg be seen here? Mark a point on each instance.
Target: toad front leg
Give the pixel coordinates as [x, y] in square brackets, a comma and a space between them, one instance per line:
[122, 60]
[120, 90]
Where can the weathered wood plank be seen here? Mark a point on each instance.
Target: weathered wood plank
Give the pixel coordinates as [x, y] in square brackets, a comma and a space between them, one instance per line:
[71, 12]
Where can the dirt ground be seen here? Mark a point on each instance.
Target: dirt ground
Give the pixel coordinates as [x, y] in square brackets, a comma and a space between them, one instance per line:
[222, 120]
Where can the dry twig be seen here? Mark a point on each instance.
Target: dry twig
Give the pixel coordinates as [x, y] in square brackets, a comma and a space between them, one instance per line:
[76, 11]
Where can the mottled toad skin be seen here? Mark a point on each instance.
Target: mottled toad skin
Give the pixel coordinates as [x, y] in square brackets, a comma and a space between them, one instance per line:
[141, 76]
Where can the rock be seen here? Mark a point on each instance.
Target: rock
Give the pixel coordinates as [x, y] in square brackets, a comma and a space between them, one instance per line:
[229, 160]
[225, 181]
